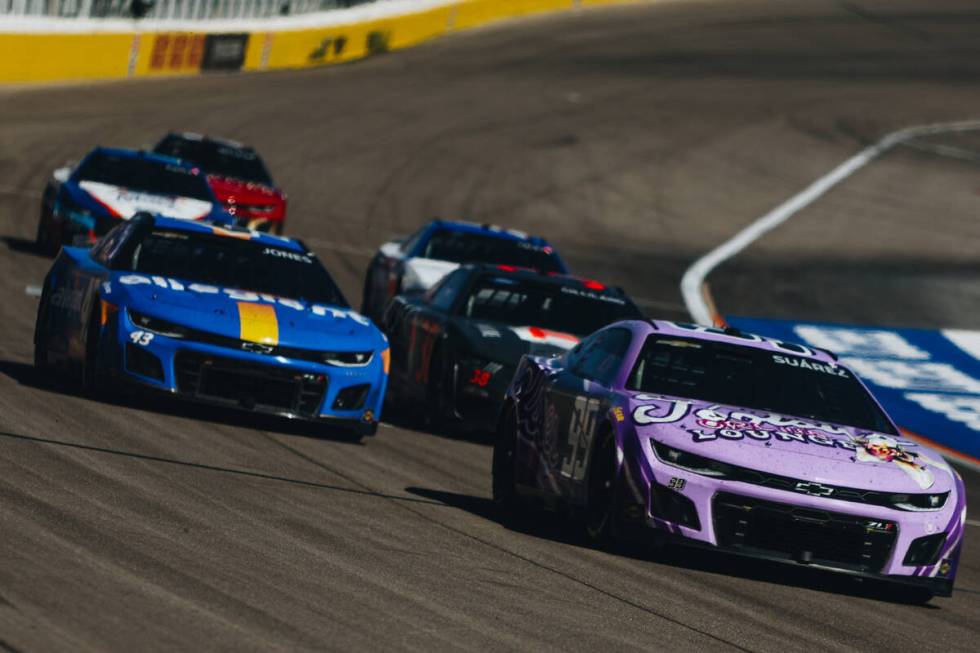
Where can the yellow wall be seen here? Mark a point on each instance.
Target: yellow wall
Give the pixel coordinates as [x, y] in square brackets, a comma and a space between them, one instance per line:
[57, 57]
[60, 57]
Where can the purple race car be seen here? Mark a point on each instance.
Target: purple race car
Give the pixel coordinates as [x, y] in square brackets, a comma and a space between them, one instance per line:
[732, 441]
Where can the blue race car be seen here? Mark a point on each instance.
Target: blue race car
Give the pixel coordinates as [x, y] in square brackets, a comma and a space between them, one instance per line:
[416, 263]
[84, 202]
[222, 316]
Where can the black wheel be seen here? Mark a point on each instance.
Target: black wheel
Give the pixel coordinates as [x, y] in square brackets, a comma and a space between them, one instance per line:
[438, 405]
[504, 470]
[41, 363]
[366, 308]
[44, 240]
[90, 382]
[600, 509]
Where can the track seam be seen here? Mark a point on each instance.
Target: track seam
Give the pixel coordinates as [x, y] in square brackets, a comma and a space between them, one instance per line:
[508, 552]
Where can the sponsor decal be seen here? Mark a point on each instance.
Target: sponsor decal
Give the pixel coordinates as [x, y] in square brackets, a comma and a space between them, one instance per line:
[588, 294]
[329, 48]
[177, 52]
[224, 51]
[243, 296]
[618, 414]
[126, 203]
[68, 300]
[883, 449]
[674, 412]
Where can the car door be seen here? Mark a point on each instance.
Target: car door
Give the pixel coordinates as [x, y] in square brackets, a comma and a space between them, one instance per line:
[577, 398]
[427, 325]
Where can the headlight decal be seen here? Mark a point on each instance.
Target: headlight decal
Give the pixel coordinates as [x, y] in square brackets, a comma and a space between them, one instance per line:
[156, 325]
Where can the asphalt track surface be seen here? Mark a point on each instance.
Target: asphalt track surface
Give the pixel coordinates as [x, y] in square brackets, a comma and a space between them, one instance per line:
[637, 138]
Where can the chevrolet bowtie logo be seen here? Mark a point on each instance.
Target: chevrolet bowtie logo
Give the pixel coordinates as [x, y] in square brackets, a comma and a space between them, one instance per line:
[257, 348]
[814, 489]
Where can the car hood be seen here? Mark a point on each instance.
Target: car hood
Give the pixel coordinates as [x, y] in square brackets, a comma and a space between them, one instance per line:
[790, 446]
[244, 315]
[503, 343]
[243, 192]
[124, 203]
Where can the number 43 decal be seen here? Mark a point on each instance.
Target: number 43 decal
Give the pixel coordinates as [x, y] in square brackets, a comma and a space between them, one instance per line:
[580, 433]
[141, 338]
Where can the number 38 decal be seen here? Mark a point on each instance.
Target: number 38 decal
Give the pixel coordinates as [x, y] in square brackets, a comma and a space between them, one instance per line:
[142, 338]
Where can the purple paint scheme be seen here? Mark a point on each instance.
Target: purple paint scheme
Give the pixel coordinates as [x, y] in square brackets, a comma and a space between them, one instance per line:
[830, 483]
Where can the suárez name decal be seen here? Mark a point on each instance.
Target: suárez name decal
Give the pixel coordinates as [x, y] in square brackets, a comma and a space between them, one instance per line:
[818, 367]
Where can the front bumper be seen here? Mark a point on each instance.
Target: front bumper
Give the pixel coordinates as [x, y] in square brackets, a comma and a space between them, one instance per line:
[350, 397]
[854, 538]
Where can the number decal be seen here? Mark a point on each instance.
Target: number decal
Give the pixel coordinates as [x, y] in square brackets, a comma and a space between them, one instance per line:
[141, 338]
[580, 433]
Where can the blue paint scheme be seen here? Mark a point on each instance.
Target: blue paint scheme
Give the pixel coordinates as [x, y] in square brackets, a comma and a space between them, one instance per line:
[422, 237]
[77, 284]
[918, 363]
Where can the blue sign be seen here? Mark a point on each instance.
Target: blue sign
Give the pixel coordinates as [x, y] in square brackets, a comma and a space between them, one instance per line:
[928, 381]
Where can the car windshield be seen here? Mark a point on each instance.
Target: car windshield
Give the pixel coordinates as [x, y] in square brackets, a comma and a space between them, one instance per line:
[236, 263]
[756, 379]
[143, 175]
[218, 158]
[519, 302]
[461, 247]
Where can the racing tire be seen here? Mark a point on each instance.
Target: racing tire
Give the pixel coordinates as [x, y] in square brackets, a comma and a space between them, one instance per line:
[437, 408]
[41, 364]
[603, 491]
[366, 294]
[504, 467]
[90, 381]
[44, 241]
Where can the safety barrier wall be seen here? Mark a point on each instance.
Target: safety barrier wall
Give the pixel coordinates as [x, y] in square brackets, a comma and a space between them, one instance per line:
[105, 54]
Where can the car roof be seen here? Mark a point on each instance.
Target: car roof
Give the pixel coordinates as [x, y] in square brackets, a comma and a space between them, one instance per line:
[462, 226]
[260, 237]
[145, 155]
[734, 336]
[512, 271]
[204, 138]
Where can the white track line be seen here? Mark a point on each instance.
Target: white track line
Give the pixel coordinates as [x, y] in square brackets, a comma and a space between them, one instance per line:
[692, 284]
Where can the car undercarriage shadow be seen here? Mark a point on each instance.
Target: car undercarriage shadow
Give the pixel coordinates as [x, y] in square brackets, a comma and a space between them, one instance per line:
[550, 526]
[405, 418]
[24, 246]
[27, 375]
